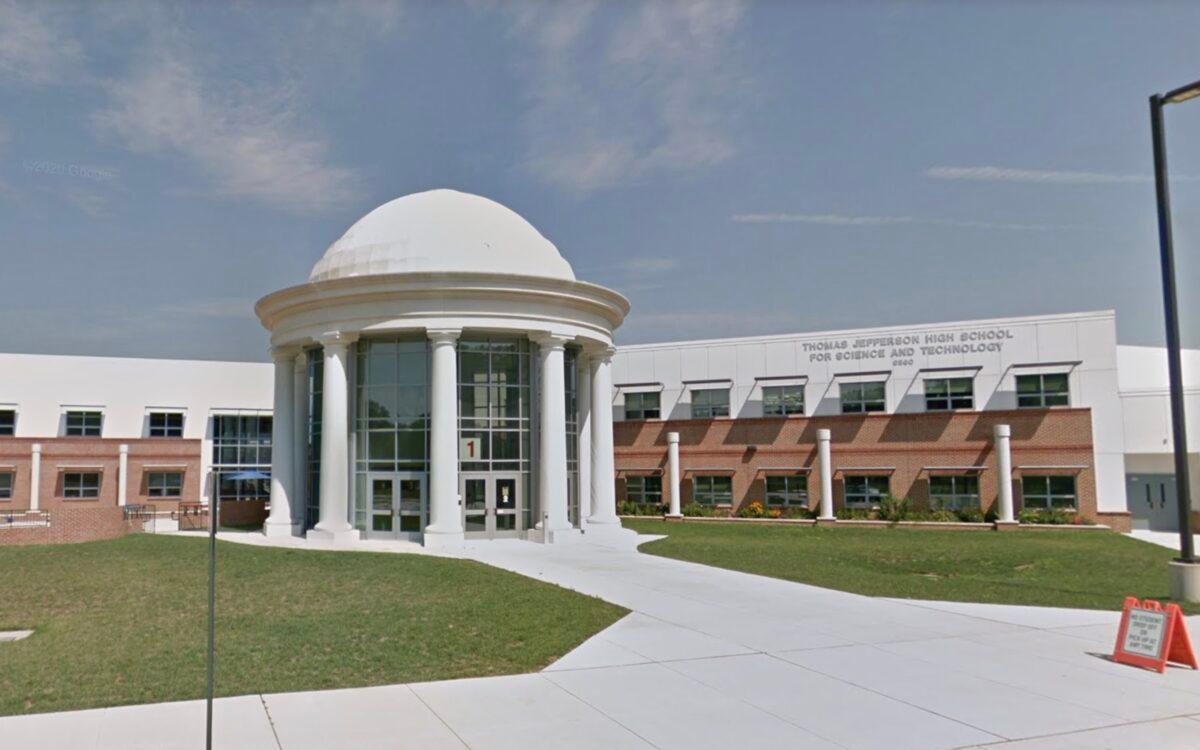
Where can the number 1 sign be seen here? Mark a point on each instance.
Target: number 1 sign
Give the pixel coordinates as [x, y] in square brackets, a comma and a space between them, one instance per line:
[1152, 635]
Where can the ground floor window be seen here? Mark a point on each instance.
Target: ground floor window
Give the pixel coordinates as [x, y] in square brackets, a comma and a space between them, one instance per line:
[865, 491]
[712, 490]
[6, 485]
[787, 491]
[242, 489]
[164, 483]
[81, 485]
[953, 492]
[1049, 492]
[644, 490]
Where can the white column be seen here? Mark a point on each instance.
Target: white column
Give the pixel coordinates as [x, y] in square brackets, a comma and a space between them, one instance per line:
[673, 474]
[1003, 437]
[584, 398]
[299, 496]
[35, 476]
[123, 475]
[826, 467]
[279, 522]
[604, 494]
[445, 511]
[552, 437]
[332, 524]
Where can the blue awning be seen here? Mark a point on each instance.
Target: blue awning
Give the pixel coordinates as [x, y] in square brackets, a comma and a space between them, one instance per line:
[247, 475]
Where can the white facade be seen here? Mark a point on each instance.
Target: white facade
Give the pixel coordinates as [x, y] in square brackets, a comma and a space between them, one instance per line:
[42, 388]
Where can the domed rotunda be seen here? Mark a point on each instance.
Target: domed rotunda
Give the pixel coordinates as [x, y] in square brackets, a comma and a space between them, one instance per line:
[442, 376]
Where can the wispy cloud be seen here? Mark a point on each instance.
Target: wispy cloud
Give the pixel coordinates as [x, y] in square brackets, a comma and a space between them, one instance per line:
[1045, 176]
[36, 45]
[612, 100]
[248, 140]
[842, 220]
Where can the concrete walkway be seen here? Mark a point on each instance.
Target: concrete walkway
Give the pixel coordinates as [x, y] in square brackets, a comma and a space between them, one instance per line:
[711, 658]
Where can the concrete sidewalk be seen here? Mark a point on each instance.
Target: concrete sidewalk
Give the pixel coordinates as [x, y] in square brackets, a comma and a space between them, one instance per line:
[715, 658]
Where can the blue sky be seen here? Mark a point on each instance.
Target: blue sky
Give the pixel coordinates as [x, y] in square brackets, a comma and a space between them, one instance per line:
[733, 168]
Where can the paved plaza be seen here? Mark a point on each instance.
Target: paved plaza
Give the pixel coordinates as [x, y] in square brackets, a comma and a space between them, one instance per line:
[711, 658]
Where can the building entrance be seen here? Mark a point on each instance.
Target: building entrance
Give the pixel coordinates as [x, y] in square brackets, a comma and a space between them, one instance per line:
[1152, 501]
[397, 505]
[492, 504]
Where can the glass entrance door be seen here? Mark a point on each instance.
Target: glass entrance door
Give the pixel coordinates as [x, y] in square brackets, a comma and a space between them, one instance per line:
[491, 504]
[398, 505]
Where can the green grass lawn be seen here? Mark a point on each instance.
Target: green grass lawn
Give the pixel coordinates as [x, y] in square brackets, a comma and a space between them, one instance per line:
[123, 621]
[1085, 569]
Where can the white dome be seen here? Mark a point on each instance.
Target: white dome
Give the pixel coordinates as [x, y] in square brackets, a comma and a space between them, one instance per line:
[441, 231]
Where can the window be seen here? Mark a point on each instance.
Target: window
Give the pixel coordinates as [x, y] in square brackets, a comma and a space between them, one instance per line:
[8, 422]
[1049, 492]
[944, 394]
[166, 424]
[241, 442]
[84, 423]
[787, 491]
[644, 490]
[1037, 391]
[710, 402]
[81, 485]
[863, 397]
[865, 492]
[642, 406]
[709, 490]
[164, 483]
[782, 400]
[6, 485]
[953, 492]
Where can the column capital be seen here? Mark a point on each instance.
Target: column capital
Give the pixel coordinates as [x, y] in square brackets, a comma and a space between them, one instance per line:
[334, 338]
[443, 335]
[548, 340]
[601, 354]
[283, 353]
[1002, 431]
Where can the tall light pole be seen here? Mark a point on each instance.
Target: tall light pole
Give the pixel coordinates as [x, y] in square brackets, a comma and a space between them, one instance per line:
[1185, 571]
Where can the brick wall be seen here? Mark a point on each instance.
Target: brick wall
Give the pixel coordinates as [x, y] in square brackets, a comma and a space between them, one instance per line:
[73, 525]
[907, 442]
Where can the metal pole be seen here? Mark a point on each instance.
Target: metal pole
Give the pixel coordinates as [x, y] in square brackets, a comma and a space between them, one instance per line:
[1171, 314]
[212, 609]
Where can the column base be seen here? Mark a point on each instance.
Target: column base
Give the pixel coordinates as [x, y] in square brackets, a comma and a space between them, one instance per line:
[564, 535]
[673, 517]
[826, 520]
[1006, 525]
[1185, 581]
[278, 529]
[333, 538]
[439, 539]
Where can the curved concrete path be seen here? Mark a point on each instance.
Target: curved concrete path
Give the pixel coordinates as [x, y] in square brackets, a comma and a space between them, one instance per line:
[711, 658]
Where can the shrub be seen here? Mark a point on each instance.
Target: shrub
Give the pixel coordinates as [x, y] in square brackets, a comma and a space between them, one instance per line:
[1056, 516]
[706, 511]
[970, 514]
[853, 514]
[630, 508]
[798, 512]
[751, 510]
[893, 508]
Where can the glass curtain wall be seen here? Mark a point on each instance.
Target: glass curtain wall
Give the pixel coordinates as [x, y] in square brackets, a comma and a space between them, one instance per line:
[316, 373]
[241, 442]
[571, 383]
[391, 417]
[495, 407]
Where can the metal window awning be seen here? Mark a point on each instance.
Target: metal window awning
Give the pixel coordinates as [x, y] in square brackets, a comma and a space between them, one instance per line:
[167, 409]
[75, 467]
[164, 466]
[781, 380]
[1051, 468]
[228, 412]
[967, 371]
[648, 387]
[862, 376]
[876, 470]
[711, 383]
[650, 472]
[953, 469]
[783, 470]
[1046, 368]
[710, 470]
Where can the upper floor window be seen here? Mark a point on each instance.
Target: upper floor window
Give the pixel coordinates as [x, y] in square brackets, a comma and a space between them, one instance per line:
[1049, 492]
[712, 490]
[81, 485]
[710, 402]
[787, 491]
[6, 485]
[8, 422]
[84, 423]
[954, 492]
[642, 406]
[164, 483]
[242, 440]
[945, 394]
[644, 490]
[782, 400]
[863, 397]
[166, 424]
[865, 491]
[1035, 391]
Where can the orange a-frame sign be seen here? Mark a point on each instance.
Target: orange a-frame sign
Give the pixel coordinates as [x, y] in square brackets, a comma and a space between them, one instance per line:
[1152, 635]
